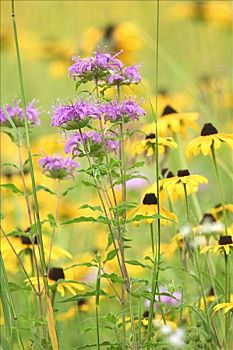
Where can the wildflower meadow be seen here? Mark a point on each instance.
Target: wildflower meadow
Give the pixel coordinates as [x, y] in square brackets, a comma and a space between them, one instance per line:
[116, 175]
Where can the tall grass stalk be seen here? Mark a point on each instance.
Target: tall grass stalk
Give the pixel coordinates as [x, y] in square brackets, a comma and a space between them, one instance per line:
[156, 265]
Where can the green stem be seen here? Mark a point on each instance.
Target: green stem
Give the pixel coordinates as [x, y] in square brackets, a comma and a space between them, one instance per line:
[227, 294]
[219, 187]
[97, 299]
[152, 240]
[38, 223]
[197, 264]
[156, 265]
[184, 165]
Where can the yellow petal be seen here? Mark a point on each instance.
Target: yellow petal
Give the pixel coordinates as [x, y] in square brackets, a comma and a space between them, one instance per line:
[205, 146]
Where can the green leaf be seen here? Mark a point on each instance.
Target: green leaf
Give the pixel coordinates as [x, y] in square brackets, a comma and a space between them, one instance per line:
[79, 219]
[10, 164]
[52, 220]
[88, 264]
[44, 188]
[137, 263]
[12, 187]
[88, 184]
[94, 208]
[113, 277]
[84, 295]
[6, 300]
[69, 189]
[111, 255]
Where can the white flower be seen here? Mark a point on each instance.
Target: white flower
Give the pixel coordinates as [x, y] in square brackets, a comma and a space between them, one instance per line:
[176, 339]
[165, 329]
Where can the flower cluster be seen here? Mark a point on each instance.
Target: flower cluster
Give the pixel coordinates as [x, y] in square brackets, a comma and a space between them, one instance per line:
[58, 167]
[129, 75]
[104, 68]
[16, 113]
[92, 142]
[96, 67]
[74, 116]
[125, 111]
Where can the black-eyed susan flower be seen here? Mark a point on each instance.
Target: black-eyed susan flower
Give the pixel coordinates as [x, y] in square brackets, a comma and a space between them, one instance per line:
[184, 178]
[217, 211]
[147, 146]
[210, 298]
[210, 137]
[149, 207]
[225, 306]
[175, 122]
[224, 245]
[61, 279]
[83, 305]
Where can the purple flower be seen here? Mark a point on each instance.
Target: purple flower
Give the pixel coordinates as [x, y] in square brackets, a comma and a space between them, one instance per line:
[125, 77]
[96, 67]
[91, 142]
[58, 167]
[173, 299]
[132, 74]
[122, 111]
[16, 113]
[74, 116]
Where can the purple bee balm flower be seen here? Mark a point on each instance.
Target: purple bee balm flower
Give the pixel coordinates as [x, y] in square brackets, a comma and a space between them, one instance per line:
[122, 111]
[76, 116]
[96, 67]
[90, 142]
[16, 113]
[58, 167]
[125, 77]
[132, 74]
[173, 299]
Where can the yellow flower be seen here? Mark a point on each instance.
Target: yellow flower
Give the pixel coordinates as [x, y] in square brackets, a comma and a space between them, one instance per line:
[55, 274]
[149, 207]
[226, 306]
[148, 145]
[172, 121]
[217, 211]
[224, 245]
[210, 137]
[83, 305]
[182, 179]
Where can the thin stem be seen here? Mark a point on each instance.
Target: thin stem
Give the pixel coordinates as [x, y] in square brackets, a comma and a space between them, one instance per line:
[227, 293]
[184, 165]
[18, 258]
[219, 187]
[152, 240]
[197, 263]
[56, 218]
[156, 265]
[38, 223]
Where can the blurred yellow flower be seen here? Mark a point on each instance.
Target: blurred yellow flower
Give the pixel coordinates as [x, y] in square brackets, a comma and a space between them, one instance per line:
[210, 137]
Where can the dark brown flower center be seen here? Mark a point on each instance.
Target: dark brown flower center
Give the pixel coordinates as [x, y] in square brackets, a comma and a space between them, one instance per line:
[146, 314]
[224, 240]
[28, 240]
[183, 172]
[166, 173]
[211, 292]
[218, 205]
[163, 92]
[207, 218]
[208, 129]
[150, 136]
[56, 273]
[150, 198]
[168, 110]
[81, 302]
